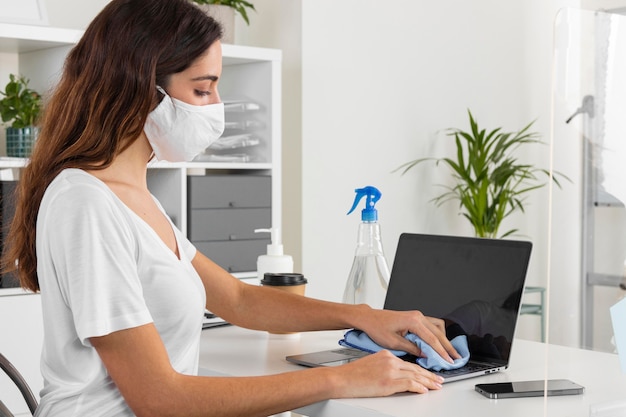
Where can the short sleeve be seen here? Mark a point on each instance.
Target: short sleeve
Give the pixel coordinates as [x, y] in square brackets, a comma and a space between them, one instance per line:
[89, 241]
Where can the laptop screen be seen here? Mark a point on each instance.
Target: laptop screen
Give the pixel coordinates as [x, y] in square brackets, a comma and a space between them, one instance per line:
[474, 284]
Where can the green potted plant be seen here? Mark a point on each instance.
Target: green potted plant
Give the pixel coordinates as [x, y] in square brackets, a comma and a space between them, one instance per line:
[239, 6]
[20, 108]
[490, 182]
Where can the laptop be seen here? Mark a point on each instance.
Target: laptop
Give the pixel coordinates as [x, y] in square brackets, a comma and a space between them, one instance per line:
[474, 284]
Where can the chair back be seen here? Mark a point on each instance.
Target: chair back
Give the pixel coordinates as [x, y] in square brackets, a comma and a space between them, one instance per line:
[4, 411]
[21, 384]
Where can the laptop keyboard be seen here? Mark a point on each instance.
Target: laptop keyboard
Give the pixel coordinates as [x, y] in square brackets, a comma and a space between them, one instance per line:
[350, 352]
[469, 368]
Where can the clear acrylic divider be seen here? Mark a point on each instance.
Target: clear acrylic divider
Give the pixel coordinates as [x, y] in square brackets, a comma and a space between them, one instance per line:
[586, 273]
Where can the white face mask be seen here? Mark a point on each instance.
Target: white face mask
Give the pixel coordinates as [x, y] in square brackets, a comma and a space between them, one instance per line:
[179, 131]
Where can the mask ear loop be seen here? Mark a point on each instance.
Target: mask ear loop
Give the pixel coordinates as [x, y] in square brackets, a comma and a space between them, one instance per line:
[161, 90]
[162, 94]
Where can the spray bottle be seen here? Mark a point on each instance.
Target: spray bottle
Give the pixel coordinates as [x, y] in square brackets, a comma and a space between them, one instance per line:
[275, 260]
[369, 276]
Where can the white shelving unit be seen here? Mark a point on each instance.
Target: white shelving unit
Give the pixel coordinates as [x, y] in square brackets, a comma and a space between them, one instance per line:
[249, 74]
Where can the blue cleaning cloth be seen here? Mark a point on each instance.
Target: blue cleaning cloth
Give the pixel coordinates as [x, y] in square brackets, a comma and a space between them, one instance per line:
[359, 340]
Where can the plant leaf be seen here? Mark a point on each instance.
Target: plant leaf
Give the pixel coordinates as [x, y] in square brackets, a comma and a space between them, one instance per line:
[490, 182]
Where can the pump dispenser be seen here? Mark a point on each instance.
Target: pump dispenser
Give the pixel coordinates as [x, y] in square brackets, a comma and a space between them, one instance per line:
[275, 260]
[369, 276]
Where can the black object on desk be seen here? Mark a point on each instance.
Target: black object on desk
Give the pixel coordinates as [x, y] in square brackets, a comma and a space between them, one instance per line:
[210, 321]
[537, 388]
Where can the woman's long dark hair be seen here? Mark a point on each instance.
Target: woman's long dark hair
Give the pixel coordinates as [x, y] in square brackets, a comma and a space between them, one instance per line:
[101, 103]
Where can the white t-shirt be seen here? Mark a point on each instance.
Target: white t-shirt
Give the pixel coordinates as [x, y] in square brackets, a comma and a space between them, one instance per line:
[102, 269]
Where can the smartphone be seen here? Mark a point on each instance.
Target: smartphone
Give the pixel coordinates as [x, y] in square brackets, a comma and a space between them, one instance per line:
[529, 388]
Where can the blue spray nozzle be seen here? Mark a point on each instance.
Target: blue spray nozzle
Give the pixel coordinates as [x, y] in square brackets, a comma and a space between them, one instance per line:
[369, 213]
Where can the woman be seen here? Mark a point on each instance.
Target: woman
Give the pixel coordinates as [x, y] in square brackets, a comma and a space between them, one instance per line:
[123, 291]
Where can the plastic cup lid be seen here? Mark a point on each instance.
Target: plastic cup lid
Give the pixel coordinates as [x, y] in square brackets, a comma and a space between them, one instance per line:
[283, 279]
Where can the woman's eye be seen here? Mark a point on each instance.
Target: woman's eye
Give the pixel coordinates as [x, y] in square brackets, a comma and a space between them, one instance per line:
[202, 93]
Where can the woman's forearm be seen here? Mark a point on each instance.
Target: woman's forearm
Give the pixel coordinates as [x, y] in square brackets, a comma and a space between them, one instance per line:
[267, 308]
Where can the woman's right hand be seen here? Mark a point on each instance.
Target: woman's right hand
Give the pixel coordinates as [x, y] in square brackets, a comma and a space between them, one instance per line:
[383, 374]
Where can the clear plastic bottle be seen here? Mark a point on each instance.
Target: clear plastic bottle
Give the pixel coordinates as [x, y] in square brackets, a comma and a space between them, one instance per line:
[369, 276]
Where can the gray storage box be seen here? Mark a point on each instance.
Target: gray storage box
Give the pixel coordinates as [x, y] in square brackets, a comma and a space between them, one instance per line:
[223, 212]
[235, 191]
[228, 224]
[234, 255]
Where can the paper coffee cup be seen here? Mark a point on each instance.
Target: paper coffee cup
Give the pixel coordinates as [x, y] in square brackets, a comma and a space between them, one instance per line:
[291, 282]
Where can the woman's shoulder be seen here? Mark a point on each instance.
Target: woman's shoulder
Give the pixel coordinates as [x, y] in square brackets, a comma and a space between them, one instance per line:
[77, 176]
[76, 181]
[74, 188]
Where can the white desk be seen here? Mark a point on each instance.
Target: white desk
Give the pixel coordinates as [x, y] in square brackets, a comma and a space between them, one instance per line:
[234, 351]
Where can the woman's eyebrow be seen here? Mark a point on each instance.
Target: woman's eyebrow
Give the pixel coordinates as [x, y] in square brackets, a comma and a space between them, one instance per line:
[206, 77]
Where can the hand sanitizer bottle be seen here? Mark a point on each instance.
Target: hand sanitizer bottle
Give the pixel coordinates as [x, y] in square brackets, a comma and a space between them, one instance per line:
[275, 260]
[369, 276]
